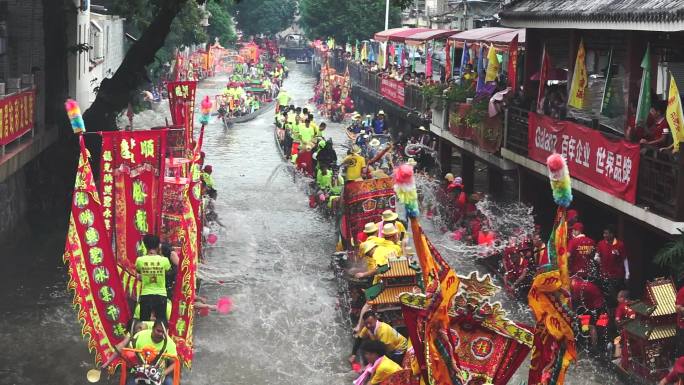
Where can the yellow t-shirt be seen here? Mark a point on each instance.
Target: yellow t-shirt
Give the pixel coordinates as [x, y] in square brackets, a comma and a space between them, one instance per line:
[355, 164]
[396, 248]
[385, 369]
[386, 334]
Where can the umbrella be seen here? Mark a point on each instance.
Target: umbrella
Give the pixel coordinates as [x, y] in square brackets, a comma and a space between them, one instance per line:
[554, 74]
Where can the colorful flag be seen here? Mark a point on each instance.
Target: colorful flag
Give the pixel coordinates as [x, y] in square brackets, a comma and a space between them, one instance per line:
[381, 56]
[465, 59]
[674, 115]
[554, 340]
[493, 64]
[513, 64]
[428, 62]
[447, 65]
[578, 89]
[480, 70]
[543, 76]
[608, 98]
[364, 51]
[357, 54]
[98, 293]
[452, 55]
[644, 104]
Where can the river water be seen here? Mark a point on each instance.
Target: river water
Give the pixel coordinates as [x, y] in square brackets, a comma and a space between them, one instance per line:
[272, 259]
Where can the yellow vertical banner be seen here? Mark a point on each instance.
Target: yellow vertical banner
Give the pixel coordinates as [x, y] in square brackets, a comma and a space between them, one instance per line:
[674, 114]
[578, 94]
[492, 64]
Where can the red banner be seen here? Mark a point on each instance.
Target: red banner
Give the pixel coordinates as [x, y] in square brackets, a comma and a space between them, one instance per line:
[610, 166]
[99, 296]
[182, 103]
[16, 115]
[181, 321]
[392, 90]
[136, 159]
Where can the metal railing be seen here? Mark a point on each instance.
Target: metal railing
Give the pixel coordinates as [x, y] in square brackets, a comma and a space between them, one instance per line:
[660, 179]
[516, 131]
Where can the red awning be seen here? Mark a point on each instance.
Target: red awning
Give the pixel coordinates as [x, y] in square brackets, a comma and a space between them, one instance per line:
[398, 34]
[496, 35]
[421, 37]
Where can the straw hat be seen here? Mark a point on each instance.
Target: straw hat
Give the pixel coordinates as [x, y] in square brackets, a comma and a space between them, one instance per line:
[388, 230]
[356, 115]
[381, 112]
[367, 247]
[370, 227]
[389, 215]
[411, 162]
[449, 176]
[408, 250]
[374, 143]
[422, 128]
[355, 149]
[369, 116]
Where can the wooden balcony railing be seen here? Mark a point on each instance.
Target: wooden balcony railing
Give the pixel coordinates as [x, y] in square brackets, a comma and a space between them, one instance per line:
[660, 183]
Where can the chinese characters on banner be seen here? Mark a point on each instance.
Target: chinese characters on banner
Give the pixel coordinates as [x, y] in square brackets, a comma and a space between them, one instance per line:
[610, 166]
[106, 184]
[180, 323]
[182, 104]
[102, 304]
[392, 90]
[16, 115]
[137, 160]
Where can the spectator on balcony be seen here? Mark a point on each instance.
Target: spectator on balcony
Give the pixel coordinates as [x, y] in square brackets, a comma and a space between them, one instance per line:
[658, 133]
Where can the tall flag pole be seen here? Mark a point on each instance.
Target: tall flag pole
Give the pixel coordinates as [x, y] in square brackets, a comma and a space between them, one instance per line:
[644, 104]
[549, 298]
[607, 97]
[674, 115]
[543, 77]
[447, 65]
[513, 64]
[465, 58]
[578, 94]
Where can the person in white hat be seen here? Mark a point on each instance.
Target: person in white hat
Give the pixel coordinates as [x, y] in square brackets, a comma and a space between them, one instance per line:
[369, 233]
[449, 177]
[379, 124]
[411, 162]
[376, 256]
[390, 235]
[356, 126]
[368, 121]
[391, 217]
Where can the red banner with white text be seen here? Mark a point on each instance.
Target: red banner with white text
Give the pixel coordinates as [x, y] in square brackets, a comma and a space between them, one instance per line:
[98, 294]
[134, 191]
[16, 115]
[609, 165]
[182, 104]
[392, 90]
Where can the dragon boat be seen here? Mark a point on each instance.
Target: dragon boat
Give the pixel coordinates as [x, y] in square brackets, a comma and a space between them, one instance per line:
[149, 182]
[492, 347]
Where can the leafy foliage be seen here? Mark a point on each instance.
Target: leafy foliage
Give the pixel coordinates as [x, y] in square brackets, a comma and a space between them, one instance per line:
[459, 93]
[672, 256]
[346, 20]
[221, 23]
[269, 17]
[431, 92]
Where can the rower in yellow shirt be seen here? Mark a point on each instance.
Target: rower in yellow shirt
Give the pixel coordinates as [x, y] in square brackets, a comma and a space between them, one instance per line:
[390, 239]
[380, 367]
[355, 163]
[375, 330]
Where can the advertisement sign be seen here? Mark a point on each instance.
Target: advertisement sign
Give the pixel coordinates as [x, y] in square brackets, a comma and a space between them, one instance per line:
[609, 165]
[16, 115]
[392, 90]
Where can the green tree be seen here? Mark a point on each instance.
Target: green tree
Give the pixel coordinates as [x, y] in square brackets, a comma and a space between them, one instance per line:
[269, 17]
[221, 22]
[346, 19]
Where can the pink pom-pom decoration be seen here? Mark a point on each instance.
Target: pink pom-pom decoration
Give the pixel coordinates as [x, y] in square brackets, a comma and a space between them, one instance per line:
[559, 177]
[205, 110]
[224, 305]
[405, 188]
[212, 238]
[403, 174]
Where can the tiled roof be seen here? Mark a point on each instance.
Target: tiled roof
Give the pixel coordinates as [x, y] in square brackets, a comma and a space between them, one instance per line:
[621, 11]
[650, 333]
